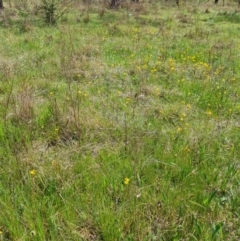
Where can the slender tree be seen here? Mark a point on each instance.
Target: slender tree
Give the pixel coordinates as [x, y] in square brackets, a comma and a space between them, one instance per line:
[112, 4]
[1, 4]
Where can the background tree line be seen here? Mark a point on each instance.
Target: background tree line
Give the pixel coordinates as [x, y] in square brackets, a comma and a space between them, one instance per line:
[52, 10]
[115, 2]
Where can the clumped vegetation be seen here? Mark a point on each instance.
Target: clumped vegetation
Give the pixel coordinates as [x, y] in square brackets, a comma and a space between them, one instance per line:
[120, 124]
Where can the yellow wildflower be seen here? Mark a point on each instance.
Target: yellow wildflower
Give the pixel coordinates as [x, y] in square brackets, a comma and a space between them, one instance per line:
[186, 149]
[179, 129]
[126, 181]
[208, 112]
[33, 172]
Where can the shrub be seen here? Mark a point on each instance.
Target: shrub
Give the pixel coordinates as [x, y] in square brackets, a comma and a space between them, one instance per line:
[52, 10]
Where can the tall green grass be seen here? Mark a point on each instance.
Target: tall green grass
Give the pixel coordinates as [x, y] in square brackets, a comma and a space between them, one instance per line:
[121, 124]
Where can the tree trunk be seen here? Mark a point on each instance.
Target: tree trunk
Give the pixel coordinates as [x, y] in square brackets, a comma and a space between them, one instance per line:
[112, 4]
[216, 1]
[1, 4]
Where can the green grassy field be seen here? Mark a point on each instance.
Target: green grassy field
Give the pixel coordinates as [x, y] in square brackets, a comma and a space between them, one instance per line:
[121, 124]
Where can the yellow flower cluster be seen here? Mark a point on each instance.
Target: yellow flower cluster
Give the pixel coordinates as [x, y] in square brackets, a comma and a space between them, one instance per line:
[126, 181]
[81, 94]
